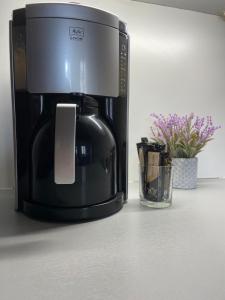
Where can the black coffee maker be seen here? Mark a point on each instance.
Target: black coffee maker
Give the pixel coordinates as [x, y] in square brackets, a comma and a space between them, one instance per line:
[69, 73]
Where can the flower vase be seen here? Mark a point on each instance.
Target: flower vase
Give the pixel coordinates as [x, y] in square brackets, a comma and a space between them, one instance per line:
[185, 173]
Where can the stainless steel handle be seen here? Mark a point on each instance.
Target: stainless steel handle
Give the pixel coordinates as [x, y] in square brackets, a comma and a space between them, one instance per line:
[65, 143]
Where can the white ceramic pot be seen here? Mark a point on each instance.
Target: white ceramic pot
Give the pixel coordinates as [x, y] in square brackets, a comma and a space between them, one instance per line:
[185, 173]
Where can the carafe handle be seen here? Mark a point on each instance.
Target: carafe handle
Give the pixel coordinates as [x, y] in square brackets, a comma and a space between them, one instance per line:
[65, 143]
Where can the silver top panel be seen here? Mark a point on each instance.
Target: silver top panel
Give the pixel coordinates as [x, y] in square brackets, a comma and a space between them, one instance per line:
[72, 56]
[71, 11]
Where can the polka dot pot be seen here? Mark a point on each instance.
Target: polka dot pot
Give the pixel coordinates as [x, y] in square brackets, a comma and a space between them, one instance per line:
[185, 173]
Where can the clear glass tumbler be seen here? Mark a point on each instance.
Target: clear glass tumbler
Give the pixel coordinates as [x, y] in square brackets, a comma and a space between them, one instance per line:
[155, 186]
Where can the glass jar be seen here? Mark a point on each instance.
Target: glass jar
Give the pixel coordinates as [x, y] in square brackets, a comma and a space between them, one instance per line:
[155, 186]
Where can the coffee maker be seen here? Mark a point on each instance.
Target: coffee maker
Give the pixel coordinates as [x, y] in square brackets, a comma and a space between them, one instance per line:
[69, 74]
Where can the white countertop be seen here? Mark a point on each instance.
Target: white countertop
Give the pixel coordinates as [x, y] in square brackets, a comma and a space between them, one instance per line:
[176, 253]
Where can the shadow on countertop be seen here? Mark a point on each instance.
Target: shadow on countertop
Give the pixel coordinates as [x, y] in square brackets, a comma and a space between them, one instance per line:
[25, 249]
[13, 223]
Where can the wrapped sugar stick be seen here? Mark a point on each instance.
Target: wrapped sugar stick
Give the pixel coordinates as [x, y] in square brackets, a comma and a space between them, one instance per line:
[141, 149]
[153, 173]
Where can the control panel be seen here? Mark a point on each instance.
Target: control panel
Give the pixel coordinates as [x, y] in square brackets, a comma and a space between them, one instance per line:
[123, 76]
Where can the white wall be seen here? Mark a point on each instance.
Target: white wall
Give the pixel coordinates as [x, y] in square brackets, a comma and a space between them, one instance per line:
[177, 65]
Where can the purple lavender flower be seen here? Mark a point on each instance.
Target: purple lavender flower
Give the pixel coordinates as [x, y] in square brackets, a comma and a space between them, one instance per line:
[185, 136]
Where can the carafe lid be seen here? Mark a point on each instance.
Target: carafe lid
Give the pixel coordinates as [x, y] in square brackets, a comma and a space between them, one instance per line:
[87, 105]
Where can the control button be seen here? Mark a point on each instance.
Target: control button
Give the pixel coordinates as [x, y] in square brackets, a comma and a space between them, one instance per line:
[124, 48]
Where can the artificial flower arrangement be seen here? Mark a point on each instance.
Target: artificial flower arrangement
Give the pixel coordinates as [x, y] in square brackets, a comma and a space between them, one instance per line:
[185, 137]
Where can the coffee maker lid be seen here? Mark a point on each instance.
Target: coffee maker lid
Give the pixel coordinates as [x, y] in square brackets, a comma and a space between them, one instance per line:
[71, 11]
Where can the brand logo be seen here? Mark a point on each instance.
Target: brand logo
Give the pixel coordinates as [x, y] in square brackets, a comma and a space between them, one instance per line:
[76, 33]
